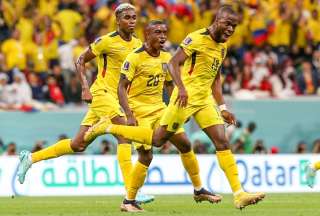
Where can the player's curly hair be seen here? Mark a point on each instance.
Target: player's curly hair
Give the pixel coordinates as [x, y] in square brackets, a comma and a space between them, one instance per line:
[123, 7]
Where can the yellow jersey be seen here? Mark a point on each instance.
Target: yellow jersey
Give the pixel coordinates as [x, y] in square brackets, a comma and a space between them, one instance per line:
[68, 19]
[147, 75]
[205, 57]
[14, 53]
[111, 50]
[25, 27]
[314, 28]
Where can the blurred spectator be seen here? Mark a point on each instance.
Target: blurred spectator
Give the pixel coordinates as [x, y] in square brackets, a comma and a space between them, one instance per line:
[6, 16]
[316, 146]
[55, 93]
[301, 148]
[35, 52]
[314, 27]
[234, 132]
[1, 147]
[69, 20]
[14, 54]
[4, 91]
[73, 90]
[39, 145]
[238, 147]
[37, 89]
[106, 147]
[25, 24]
[63, 136]
[274, 150]
[57, 74]
[19, 91]
[242, 141]
[308, 79]
[199, 147]
[259, 148]
[282, 86]
[66, 58]
[11, 149]
[50, 32]
[202, 141]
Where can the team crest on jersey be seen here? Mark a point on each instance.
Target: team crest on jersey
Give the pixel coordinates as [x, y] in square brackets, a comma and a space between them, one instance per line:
[223, 52]
[126, 65]
[187, 41]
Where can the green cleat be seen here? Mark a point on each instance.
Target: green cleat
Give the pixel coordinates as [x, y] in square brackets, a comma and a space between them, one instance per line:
[310, 175]
[24, 165]
[96, 130]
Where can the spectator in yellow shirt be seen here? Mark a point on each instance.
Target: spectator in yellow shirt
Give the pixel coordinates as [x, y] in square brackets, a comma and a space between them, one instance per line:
[26, 25]
[314, 28]
[35, 53]
[69, 20]
[13, 52]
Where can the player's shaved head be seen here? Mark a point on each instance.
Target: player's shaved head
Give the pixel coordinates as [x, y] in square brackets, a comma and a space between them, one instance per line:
[225, 9]
[154, 23]
[123, 7]
[224, 24]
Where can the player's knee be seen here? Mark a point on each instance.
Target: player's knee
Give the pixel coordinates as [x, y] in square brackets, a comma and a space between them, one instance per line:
[157, 142]
[145, 157]
[222, 143]
[78, 146]
[184, 147]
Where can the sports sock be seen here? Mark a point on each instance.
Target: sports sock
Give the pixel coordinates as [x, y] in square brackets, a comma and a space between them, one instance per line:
[62, 147]
[229, 166]
[138, 175]
[316, 165]
[134, 133]
[191, 165]
[124, 158]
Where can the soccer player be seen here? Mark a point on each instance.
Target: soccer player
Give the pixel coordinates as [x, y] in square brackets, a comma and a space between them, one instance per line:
[197, 94]
[311, 171]
[111, 50]
[143, 76]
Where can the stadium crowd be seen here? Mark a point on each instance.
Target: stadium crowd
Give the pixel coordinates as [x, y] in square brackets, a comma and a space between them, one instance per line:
[275, 51]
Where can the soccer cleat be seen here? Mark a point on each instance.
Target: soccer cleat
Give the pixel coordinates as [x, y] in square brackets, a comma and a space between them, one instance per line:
[24, 165]
[244, 199]
[310, 175]
[96, 130]
[130, 206]
[143, 198]
[204, 195]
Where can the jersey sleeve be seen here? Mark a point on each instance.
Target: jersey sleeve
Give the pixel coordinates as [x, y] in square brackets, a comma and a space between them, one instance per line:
[129, 66]
[100, 45]
[190, 44]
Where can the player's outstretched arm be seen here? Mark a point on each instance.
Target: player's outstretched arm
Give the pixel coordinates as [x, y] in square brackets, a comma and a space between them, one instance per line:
[124, 83]
[218, 96]
[174, 69]
[85, 57]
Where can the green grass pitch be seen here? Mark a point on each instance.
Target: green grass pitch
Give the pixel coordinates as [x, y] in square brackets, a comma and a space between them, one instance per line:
[303, 204]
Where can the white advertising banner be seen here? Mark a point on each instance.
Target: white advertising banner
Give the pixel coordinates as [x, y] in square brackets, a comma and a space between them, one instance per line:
[100, 175]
